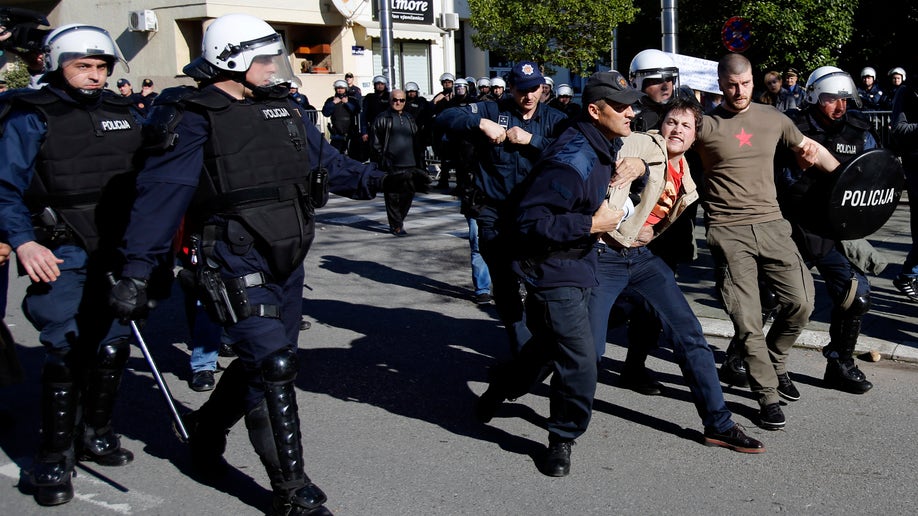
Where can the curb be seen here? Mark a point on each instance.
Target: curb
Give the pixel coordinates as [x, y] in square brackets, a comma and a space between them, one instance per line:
[810, 339]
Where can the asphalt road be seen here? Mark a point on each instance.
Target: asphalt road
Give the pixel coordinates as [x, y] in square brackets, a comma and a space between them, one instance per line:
[391, 367]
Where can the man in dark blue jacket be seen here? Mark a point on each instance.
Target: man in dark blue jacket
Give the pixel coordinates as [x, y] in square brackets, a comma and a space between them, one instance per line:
[560, 211]
[509, 136]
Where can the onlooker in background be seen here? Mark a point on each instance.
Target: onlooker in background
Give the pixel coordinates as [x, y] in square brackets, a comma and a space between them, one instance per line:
[795, 90]
[397, 149]
[342, 110]
[869, 92]
[775, 94]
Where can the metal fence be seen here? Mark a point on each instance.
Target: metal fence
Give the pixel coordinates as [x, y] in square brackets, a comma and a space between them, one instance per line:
[881, 124]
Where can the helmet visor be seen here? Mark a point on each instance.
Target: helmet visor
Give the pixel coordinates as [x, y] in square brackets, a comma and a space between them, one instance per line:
[270, 70]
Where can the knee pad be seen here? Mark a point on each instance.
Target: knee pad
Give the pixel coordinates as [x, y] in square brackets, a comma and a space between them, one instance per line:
[856, 300]
[280, 367]
[113, 355]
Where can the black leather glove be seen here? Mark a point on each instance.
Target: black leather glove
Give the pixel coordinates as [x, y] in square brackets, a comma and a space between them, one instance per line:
[420, 180]
[128, 299]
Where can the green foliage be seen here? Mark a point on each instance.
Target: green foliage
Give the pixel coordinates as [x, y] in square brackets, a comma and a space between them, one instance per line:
[802, 33]
[567, 33]
[17, 76]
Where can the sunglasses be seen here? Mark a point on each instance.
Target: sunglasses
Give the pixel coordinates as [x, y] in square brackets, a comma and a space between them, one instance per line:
[398, 100]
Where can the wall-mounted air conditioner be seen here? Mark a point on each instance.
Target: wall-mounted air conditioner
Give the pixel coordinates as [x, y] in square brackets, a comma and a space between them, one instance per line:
[142, 21]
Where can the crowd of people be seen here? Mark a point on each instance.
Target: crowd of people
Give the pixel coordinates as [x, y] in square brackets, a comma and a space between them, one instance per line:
[586, 207]
[784, 92]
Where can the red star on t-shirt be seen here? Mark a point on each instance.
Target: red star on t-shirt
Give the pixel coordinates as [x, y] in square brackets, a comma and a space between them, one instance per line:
[744, 138]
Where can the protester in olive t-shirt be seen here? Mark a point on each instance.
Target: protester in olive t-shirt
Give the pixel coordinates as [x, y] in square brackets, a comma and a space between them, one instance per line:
[746, 233]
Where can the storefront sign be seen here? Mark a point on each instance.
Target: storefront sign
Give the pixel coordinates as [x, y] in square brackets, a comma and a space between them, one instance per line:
[409, 11]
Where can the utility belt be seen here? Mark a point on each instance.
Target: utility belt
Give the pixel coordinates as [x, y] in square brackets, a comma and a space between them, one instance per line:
[50, 230]
[225, 299]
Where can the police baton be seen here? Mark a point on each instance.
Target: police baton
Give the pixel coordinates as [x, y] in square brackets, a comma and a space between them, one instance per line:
[159, 378]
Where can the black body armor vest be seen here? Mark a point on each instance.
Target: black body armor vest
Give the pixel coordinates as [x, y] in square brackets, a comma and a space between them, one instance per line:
[85, 168]
[256, 172]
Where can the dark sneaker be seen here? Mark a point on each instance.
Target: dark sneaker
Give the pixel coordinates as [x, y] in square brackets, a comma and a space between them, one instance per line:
[202, 381]
[908, 286]
[734, 439]
[483, 299]
[844, 375]
[786, 388]
[771, 417]
[558, 459]
[638, 379]
[226, 351]
[733, 371]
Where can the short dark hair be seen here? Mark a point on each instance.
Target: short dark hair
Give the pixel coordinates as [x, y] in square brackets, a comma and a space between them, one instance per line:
[733, 64]
[683, 103]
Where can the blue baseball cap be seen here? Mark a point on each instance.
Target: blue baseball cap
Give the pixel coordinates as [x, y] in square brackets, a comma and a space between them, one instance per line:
[525, 75]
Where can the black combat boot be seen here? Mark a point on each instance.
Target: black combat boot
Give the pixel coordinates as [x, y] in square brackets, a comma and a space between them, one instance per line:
[274, 429]
[53, 468]
[841, 371]
[98, 442]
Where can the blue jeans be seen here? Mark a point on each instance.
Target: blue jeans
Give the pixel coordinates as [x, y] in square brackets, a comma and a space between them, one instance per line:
[650, 278]
[205, 339]
[481, 278]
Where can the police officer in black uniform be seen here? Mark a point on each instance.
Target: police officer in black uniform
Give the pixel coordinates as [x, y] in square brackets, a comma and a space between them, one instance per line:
[66, 184]
[342, 109]
[845, 134]
[263, 174]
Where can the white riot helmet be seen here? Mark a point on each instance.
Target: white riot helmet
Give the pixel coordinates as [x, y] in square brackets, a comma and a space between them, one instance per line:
[497, 82]
[412, 86]
[381, 79]
[831, 81]
[484, 82]
[652, 64]
[461, 83]
[77, 40]
[233, 42]
[550, 82]
[448, 77]
[340, 84]
[897, 70]
[564, 90]
[868, 71]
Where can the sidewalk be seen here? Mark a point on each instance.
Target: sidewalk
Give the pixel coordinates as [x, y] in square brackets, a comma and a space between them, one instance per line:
[890, 327]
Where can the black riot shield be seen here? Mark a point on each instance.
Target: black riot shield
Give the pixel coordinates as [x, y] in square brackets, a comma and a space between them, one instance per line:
[856, 199]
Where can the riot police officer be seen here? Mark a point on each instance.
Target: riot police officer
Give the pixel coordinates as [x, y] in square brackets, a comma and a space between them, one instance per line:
[253, 207]
[655, 74]
[871, 97]
[845, 134]
[66, 183]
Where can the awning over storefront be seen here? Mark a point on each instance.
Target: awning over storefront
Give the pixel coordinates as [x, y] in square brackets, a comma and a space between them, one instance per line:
[405, 31]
